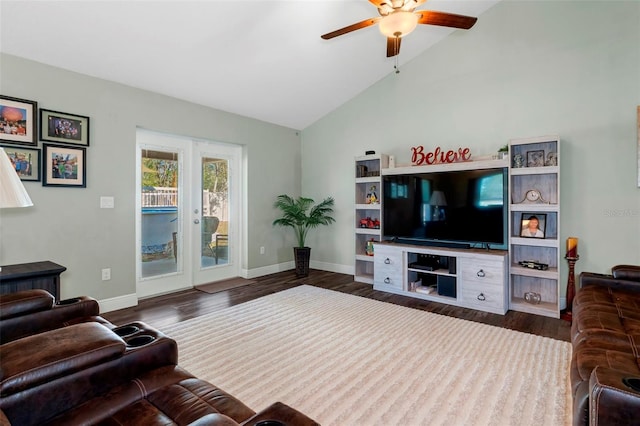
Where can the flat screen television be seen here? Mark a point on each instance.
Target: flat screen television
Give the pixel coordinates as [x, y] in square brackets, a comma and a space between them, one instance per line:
[459, 209]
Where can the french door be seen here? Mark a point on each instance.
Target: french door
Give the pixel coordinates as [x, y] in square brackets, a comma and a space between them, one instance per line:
[188, 212]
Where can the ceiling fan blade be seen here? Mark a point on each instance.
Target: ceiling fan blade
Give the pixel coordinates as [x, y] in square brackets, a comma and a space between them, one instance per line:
[353, 27]
[393, 46]
[444, 19]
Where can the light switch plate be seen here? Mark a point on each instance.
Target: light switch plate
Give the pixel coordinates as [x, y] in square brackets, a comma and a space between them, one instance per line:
[107, 202]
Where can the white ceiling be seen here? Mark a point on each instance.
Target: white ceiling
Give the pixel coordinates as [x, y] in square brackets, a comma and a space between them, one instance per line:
[260, 59]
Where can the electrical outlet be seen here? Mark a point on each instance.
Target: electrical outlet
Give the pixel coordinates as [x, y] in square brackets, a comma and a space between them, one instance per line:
[106, 274]
[262, 250]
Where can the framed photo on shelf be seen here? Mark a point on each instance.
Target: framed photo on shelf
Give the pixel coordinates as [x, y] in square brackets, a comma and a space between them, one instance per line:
[64, 166]
[18, 121]
[26, 161]
[64, 128]
[533, 225]
[535, 158]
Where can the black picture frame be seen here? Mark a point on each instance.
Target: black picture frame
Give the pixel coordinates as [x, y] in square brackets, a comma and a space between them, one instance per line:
[64, 128]
[525, 220]
[26, 161]
[18, 123]
[535, 158]
[64, 166]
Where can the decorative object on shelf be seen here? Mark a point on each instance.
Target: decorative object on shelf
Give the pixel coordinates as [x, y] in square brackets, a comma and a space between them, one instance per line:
[503, 152]
[532, 297]
[535, 158]
[533, 225]
[438, 156]
[12, 191]
[518, 161]
[438, 202]
[392, 161]
[372, 196]
[369, 152]
[64, 166]
[572, 257]
[532, 196]
[18, 121]
[369, 248]
[532, 264]
[64, 128]
[552, 159]
[301, 215]
[26, 162]
[369, 223]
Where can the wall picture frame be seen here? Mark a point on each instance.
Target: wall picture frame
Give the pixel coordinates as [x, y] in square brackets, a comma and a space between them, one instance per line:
[64, 166]
[533, 225]
[64, 128]
[535, 158]
[26, 161]
[18, 123]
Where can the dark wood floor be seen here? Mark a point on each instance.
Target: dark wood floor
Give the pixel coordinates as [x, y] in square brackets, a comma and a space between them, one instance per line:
[172, 308]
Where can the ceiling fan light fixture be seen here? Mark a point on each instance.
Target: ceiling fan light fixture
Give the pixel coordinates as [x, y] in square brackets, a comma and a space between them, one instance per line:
[398, 24]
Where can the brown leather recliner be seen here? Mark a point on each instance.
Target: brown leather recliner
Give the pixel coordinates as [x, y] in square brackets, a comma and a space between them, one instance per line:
[78, 368]
[29, 312]
[605, 334]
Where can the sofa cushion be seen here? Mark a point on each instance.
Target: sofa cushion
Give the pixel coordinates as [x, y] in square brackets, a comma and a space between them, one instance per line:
[24, 302]
[33, 360]
[167, 395]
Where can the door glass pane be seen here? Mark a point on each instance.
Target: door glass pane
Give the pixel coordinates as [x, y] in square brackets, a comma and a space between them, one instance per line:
[159, 195]
[215, 212]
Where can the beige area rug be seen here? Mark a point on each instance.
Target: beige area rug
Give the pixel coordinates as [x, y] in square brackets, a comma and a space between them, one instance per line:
[348, 360]
[222, 285]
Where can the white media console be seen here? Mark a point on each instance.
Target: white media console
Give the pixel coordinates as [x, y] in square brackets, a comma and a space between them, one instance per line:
[471, 278]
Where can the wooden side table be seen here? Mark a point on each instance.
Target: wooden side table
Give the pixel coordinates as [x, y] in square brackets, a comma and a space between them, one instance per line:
[28, 276]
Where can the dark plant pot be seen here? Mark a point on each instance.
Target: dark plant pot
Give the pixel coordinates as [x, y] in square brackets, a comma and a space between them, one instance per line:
[302, 256]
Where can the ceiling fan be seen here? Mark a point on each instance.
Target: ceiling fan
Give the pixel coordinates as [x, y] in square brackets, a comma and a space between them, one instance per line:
[399, 17]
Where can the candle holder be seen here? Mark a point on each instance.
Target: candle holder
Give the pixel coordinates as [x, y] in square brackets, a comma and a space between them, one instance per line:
[567, 314]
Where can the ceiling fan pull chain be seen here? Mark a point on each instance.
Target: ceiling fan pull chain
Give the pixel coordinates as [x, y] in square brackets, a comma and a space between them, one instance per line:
[396, 57]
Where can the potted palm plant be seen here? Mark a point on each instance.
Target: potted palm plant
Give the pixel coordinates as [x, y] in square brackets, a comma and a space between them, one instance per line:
[301, 214]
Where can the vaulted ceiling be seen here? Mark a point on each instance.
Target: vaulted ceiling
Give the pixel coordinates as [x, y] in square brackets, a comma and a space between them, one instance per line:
[260, 59]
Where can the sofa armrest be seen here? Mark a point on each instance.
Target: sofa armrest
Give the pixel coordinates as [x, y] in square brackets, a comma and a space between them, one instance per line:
[614, 397]
[280, 414]
[24, 302]
[626, 272]
[591, 278]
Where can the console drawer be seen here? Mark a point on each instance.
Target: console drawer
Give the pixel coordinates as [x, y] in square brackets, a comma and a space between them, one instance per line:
[486, 272]
[483, 297]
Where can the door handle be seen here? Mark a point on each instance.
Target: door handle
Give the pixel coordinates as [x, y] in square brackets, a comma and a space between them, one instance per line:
[196, 221]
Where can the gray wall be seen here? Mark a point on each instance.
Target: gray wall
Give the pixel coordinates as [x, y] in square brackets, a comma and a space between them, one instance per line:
[67, 226]
[526, 69]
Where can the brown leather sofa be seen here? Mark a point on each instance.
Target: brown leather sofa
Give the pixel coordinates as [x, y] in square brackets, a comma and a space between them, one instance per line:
[605, 334]
[80, 371]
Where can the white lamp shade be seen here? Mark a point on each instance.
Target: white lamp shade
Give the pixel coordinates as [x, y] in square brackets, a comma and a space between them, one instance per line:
[12, 192]
[438, 199]
[398, 24]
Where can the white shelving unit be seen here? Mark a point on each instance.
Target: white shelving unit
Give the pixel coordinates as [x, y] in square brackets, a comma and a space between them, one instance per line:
[368, 172]
[543, 179]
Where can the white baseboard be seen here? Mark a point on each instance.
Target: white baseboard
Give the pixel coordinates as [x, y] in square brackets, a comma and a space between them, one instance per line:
[266, 270]
[332, 267]
[119, 302]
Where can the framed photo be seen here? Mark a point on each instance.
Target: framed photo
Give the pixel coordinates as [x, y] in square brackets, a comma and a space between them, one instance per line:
[533, 225]
[535, 158]
[61, 127]
[64, 166]
[26, 161]
[18, 121]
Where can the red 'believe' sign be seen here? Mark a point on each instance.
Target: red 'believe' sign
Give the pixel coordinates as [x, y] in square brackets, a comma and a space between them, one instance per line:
[418, 157]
